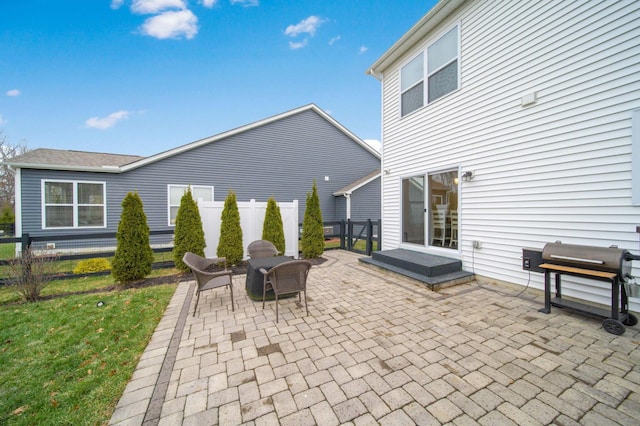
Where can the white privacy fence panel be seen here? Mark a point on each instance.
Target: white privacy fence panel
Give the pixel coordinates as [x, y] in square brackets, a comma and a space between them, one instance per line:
[251, 220]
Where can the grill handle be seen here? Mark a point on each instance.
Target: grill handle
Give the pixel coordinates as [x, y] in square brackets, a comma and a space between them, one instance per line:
[578, 259]
[631, 256]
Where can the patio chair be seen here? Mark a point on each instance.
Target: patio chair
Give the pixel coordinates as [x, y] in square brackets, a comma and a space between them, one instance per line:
[287, 278]
[262, 248]
[206, 280]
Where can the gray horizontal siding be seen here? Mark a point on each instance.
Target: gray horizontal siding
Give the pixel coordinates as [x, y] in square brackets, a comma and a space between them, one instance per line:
[279, 159]
[365, 201]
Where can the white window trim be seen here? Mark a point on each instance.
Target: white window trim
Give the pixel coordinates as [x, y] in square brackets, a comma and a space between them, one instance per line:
[425, 52]
[75, 204]
[174, 185]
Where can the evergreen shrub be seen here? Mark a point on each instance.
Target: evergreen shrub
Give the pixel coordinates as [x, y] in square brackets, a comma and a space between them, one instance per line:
[272, 228]
[88, 266]
[134, 256]
[189, 234]
[230, 244]
[312, 242]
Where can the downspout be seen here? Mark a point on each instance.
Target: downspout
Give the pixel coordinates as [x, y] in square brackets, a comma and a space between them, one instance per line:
[347, 195]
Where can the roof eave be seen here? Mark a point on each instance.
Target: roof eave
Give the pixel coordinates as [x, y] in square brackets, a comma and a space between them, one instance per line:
[101, 169]
[424, 26]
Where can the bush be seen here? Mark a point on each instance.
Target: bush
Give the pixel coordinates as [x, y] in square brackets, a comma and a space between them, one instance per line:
[312, 242]
[134, 256]
[230, 244]
[30, 273]
[89, 266]
[272, 228]
[189, 234]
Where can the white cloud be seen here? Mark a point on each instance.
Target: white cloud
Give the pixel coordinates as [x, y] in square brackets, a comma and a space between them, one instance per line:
[108, 121]
[172, 24]
[363, 49]
[13, 92]
[3, 121]
[145, 7]
[298, 45]
[115, 4]
[306, 26]
[246, 3]
[209, 3]
[335, 39]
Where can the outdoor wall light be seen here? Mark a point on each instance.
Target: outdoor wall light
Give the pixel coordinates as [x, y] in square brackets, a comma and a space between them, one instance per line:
[466, 176]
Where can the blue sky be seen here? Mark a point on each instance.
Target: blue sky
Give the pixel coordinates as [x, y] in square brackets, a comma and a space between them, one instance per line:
[143, 76]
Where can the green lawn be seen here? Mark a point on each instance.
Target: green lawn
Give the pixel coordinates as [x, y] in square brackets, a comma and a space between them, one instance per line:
[74, 285]
[7, 250]
[66, 360]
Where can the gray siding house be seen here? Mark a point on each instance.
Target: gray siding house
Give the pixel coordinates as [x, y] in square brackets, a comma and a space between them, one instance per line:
[68, 192]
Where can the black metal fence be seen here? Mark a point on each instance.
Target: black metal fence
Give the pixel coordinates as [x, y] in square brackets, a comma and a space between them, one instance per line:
[357, 236]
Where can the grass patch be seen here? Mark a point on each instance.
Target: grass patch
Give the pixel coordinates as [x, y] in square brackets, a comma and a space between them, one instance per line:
[7, 250]
[75, 285]
[67, 361]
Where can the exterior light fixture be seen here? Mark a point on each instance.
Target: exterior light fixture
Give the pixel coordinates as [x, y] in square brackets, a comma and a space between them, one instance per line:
[466, 176]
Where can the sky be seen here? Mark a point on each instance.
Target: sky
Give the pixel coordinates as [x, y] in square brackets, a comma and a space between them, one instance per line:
[144, 76]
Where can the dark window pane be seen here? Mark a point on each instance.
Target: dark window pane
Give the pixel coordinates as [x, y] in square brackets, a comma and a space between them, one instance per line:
[58, 216]
[58, 192]
[90, 216]
[443, 82]
[90, 193]
[413, 99]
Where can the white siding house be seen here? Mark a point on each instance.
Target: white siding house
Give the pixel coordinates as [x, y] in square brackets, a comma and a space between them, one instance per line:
[536, 100]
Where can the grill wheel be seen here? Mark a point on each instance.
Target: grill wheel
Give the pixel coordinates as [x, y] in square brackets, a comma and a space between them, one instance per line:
[613, 326]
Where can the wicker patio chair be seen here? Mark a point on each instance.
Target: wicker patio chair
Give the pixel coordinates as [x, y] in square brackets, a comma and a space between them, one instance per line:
[206, 280]
[262, 248]
[287, 278]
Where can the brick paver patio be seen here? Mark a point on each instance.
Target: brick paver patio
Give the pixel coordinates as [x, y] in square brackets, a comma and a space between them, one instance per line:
[378, 348]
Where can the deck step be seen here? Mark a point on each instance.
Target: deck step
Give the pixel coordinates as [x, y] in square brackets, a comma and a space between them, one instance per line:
[435, 271]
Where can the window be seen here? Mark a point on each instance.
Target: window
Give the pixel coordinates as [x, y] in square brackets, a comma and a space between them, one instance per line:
[175, 195]
[73, 204]
[442, 69]
[441, 75]
[412, 85]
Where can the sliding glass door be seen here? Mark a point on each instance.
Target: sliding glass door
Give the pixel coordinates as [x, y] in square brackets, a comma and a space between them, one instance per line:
[430, 209]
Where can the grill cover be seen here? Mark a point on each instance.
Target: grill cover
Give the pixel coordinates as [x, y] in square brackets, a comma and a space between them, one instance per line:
[608, 259]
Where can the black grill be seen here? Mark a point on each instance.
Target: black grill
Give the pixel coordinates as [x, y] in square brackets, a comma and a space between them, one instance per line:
[609, 264]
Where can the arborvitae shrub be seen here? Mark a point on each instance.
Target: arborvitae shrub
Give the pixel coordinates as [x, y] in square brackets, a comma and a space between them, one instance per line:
[134, 256]
[272, 228]
[230, 244]
[88, 266]
[312, 242]
[188, 234]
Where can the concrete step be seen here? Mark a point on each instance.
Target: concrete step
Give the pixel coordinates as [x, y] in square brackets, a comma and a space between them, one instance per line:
[434, 271]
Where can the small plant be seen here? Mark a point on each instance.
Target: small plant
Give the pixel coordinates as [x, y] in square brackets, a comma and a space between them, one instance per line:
[230, 244]
[272, 228]
[312, 242]
[133, 257]
[30, 273]
[189, 234]
[89, 266]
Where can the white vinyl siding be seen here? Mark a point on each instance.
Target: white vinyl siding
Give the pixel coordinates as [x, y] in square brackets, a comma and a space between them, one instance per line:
[558, 169]
[73, 204]
[175, 193]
